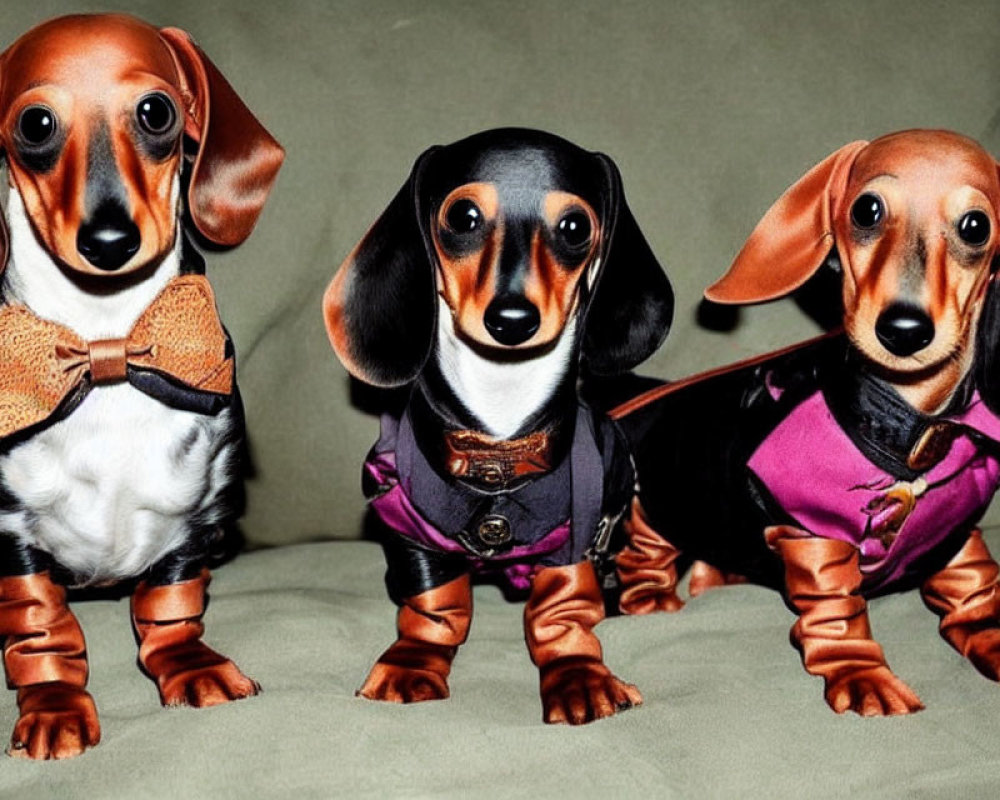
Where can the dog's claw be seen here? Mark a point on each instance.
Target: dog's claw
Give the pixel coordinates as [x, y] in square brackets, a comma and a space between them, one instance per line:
[57, 721]
[583, 693]
[874, 692]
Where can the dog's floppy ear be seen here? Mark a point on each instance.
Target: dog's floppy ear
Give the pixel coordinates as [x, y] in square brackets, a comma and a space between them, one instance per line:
[793, 239]
[237, 159]
[381, 306]
[632, 303]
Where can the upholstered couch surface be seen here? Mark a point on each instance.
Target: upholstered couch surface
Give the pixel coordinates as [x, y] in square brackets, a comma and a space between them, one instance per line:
[710, 109]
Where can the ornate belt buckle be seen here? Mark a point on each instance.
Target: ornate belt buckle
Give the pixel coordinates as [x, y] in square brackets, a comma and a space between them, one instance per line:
[490, 535]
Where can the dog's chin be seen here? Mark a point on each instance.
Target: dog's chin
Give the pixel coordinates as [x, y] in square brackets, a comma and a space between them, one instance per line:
[908, 370]
[97, 281]
[507, 354]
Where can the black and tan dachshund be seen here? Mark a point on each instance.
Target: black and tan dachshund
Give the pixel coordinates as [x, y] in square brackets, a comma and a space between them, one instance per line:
[507, 262]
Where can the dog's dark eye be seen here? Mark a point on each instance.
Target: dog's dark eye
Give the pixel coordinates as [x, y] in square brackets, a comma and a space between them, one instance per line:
[867, 211]
[574, 229]
[156, 114]
[464, 216]
[974, 228]
[36, 125]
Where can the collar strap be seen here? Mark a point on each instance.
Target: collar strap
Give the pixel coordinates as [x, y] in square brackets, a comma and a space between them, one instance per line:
[888, 430]
[496, 463]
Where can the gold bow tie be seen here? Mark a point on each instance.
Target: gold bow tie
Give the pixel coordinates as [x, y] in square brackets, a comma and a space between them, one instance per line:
[179, 335]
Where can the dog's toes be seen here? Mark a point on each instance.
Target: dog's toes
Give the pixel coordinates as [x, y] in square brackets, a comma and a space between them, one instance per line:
[393, 683]
[57, 721]
[872, 692]
[583, 693]
[207, 686]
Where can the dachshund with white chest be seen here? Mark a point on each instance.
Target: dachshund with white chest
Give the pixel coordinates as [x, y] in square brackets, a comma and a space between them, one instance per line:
[508, 260]
[857, 464]
[120, 425]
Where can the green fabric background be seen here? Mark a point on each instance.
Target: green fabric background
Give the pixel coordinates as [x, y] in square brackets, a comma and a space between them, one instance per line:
[710, 109]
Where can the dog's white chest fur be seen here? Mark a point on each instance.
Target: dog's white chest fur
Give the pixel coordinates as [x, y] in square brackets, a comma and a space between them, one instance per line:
[502, 395]
[110, 489]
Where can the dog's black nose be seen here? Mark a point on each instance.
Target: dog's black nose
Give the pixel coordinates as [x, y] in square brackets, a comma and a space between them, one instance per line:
[904, 329]
[512, 319]
[109, 238]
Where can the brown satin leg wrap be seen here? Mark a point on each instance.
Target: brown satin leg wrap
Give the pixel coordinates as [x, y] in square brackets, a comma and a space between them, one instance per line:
[559, 619]
[169, 627]
[823, 581]
[966, 596]
[646, 568]
[46, 661]
[431, 626]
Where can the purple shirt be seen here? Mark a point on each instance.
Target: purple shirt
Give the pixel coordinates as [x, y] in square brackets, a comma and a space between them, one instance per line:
[826, 484]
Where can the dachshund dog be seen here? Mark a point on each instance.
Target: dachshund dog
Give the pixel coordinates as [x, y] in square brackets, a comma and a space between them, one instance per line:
[853, 465]
[120, 425]
[506, 261]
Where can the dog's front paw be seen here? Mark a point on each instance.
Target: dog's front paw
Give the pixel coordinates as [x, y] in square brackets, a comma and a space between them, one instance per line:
[577, 691]
[395, 683]
[192, 674]
[57, 721]
[873, 692]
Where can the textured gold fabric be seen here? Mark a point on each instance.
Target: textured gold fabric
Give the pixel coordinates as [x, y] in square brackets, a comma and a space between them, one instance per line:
[179, 335]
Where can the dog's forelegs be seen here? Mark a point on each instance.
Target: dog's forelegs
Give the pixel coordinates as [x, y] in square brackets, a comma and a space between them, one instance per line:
[966, 596]
[168, 624]
[431, 627]
[646, 568]
[822, 582]
[46, 661]
[563, 608]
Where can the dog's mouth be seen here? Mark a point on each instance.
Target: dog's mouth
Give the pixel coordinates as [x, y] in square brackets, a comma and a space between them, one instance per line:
[908, 347]
[501, 353]
[109, 282]
[495, 349]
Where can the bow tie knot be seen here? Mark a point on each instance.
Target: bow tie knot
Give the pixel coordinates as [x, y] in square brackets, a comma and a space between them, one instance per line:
[106, 359]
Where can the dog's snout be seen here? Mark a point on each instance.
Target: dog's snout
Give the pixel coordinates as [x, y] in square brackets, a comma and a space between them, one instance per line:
[109, 238]
[512, 319]
[904, 329]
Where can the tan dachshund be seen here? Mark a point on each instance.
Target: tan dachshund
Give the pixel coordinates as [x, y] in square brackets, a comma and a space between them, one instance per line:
[120, 424]
[854, 465]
